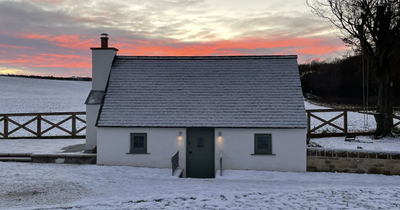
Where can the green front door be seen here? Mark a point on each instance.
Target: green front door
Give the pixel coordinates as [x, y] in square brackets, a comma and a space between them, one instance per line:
[200, 153]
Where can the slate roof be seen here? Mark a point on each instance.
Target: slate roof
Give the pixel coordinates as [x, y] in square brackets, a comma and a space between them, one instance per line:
[204, 91]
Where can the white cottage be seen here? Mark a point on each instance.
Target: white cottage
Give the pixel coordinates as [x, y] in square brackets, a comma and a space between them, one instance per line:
[144, 109]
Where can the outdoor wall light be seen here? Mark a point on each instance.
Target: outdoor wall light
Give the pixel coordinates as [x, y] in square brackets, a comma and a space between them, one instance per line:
[220, 133]
[180, 138]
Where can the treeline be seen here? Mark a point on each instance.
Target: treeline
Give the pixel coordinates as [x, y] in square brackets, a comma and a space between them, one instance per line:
[74, 78]
[345, 81]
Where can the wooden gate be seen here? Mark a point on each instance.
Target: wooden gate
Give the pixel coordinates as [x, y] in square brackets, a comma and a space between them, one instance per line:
[338, 122]
[340, 129]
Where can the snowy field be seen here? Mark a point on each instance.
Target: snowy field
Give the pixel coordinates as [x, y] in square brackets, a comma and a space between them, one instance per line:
[365, 142]
[27, 95]
[53, 186]
[48, 146]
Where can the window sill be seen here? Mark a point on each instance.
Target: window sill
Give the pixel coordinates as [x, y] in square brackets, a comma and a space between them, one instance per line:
[138, 153]
[265, 154]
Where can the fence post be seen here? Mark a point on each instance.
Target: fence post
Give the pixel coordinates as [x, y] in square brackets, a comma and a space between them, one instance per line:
[5, 127]
[345, 122]
[73, 125]
[39, 125]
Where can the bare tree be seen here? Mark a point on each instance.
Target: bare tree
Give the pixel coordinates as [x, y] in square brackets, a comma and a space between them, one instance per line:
[373, 26]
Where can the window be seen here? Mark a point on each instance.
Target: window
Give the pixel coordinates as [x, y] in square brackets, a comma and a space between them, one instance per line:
[200, 142]
[262, 144]
[138, 143]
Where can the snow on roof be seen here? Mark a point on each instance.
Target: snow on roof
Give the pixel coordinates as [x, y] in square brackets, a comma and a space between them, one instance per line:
[204, 91]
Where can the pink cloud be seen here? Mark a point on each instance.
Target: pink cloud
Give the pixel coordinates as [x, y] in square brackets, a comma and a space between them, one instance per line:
[67, 41]
[301, 46]
[14, 46]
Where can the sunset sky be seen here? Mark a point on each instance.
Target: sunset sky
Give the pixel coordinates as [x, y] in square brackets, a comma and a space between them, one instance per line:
[53, 37]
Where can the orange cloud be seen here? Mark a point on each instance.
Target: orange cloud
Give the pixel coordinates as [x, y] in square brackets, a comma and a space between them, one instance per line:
[14, 46]
[304, 47]
[67, 41]
[309, 46]
[33, 36]
[50, 60]
[229, 47]
[321, 50]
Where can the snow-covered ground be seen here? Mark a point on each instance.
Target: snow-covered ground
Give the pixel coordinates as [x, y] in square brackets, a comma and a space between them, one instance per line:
[365, 142]
[27, 95]
[48, 146]
[53, 186]
[309, 105]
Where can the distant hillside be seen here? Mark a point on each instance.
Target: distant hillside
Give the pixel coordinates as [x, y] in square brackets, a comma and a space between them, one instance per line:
[20, 95]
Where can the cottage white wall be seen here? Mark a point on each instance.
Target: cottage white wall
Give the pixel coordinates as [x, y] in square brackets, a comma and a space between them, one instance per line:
[91, 133]
[113, 144]
[101, 65]
[288, 145]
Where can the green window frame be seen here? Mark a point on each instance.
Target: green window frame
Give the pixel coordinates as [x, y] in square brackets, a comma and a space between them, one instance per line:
[138, 143]
[262, 144]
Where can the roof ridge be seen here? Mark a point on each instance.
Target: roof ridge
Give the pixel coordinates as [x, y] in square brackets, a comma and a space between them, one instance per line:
[224, 57]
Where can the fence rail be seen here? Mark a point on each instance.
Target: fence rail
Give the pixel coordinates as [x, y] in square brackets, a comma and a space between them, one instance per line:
[39, 125]
[337, 129]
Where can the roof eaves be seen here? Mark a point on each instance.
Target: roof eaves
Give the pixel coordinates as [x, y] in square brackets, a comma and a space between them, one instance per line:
[241, 127]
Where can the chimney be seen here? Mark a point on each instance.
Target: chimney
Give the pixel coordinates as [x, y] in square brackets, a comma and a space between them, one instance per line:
[104, 40]
[102, 59]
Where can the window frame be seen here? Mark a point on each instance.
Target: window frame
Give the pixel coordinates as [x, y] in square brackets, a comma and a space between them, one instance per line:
[269, 143]
[133, 150]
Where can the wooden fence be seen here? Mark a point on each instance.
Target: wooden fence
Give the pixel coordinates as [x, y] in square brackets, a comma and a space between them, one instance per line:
[338, 129]
[9, 125]
[39, 125]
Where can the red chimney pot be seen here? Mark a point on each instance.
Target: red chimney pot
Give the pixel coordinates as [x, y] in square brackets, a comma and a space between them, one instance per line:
[104, 40]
